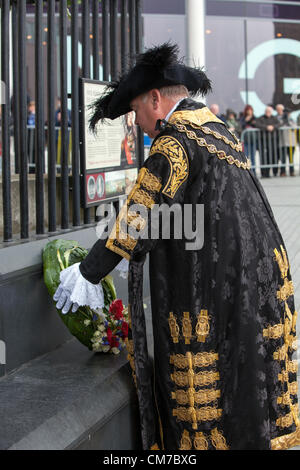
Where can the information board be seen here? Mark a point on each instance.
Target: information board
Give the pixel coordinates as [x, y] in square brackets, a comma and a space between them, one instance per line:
[109, 158]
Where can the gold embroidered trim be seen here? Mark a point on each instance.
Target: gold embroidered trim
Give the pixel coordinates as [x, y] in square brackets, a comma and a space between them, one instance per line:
[141, 197]
[110, 245]
[174, 328]
[178, 160]
[191, 390]
[129, 345]
[293, 343]
[293, 388]
[274, 332]
[131, 361]
[280, 353]
[221, 154]
[202, 327]
[218, 440]
[201, 359]
[187, 327]
[282, 261]
[292, 366]
[287, 420]
[200, 397]
[294, 322]
[150, 181]
[206, 413]
[284, 376]
[136, 220]
[286, 290]
[200, 441]
[238, 147]
[284, 399]
[287, 441]
[154, 447]
[190, 378]
[185, 443]
[197, 117]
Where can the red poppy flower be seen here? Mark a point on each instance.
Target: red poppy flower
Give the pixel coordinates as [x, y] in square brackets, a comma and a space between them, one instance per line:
[116, 308]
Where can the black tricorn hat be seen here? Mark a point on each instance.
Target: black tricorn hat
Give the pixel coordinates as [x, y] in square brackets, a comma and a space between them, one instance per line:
[156, 68]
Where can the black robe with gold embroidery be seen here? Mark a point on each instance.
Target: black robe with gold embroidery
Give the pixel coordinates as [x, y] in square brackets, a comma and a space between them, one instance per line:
[223, 315]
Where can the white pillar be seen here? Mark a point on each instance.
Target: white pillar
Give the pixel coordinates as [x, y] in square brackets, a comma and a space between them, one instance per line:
[195, 32]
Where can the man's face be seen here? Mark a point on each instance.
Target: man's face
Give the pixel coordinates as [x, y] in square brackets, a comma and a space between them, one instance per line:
[279, 109]
[146, 114]
[269, 111]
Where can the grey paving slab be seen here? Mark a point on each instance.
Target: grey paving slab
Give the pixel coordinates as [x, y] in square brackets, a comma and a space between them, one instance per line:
[51, 402]
[284, 197]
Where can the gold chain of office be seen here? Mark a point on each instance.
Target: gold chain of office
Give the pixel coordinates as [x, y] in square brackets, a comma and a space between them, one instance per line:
[212, 148]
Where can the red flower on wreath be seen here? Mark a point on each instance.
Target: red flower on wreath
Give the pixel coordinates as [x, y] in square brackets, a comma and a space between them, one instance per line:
[112, 339]
[116, 308]
[114, 342]
[124, 329]
[109, 335]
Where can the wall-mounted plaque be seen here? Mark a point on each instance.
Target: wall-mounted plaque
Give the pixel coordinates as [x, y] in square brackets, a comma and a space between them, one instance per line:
[109, 158]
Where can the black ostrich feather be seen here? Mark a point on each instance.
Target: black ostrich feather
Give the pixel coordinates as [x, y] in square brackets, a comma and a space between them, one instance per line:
[100, 106]
[202, 82]
[162, 56]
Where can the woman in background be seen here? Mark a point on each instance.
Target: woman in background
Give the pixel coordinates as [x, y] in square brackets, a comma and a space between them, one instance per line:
[248, 123]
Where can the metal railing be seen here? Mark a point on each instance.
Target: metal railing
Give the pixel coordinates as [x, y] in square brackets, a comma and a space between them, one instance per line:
[121, 38]
[276, 150]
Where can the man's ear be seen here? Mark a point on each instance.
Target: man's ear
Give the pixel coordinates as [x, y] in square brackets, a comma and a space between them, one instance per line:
[155, 98]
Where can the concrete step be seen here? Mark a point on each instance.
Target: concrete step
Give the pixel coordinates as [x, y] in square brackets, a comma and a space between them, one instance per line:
[70, 398]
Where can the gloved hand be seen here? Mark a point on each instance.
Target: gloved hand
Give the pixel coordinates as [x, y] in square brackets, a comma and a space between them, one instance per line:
[62, 296]
[74, 290]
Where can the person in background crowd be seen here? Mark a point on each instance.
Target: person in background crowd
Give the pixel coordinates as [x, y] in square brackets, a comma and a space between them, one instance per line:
[58, 122]
[248, 122]
[31, 113]
[31, 135]
[58, 114]
[214, 108]
[286, 140]
[232, 123]
[268, 124]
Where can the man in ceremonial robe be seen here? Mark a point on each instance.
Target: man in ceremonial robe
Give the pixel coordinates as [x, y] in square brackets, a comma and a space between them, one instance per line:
[224, 320]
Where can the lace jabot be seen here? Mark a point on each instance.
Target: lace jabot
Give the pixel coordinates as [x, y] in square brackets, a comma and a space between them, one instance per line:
[81, 291]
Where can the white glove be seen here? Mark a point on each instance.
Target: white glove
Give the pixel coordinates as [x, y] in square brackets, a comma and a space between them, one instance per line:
[74, 290]
[122, 268]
